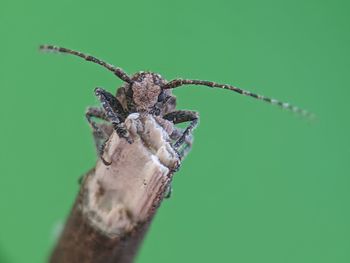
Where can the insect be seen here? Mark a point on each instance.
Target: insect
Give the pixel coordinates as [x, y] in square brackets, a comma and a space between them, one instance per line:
[149, 93]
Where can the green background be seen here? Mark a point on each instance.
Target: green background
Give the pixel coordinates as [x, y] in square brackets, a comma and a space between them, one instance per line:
[261, 185]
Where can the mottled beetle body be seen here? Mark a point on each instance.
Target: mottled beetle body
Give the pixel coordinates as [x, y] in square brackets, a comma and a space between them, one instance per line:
[149, 93]
[145, 95]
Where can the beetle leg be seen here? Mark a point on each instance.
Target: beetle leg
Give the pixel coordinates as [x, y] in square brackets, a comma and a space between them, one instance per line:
[114, 112]
[101, 131]
[177, 133]
[185, 138]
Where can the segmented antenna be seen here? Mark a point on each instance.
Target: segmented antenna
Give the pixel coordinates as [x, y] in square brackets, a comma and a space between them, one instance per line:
[180, 82]
[117, 71]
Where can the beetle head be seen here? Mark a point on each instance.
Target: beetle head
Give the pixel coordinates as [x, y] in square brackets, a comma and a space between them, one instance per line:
[147, 90]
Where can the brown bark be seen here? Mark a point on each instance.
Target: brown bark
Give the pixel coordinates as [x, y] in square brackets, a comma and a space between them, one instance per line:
[116, 203]
[81, 242]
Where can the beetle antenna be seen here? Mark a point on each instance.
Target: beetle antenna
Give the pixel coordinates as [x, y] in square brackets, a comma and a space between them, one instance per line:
[181, 82]
[117, 71]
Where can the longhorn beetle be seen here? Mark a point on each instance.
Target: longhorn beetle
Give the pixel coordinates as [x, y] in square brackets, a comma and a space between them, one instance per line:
[149, 93]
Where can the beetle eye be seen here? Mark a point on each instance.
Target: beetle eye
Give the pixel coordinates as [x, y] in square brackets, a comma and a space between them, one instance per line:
[161, 97]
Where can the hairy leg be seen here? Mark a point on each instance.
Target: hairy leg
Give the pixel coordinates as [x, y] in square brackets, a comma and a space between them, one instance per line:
[97, 128]
[114, 112]
[183, 116]
[177, 133]
[101, 131]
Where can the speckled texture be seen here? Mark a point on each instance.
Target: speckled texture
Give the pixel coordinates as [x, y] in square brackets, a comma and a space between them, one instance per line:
[120, 195]
[116, 202]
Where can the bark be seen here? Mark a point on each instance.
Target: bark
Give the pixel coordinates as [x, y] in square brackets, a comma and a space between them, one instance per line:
[116, 203]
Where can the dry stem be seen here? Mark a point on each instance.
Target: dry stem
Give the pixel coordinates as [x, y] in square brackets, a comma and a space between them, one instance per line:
[116, 203]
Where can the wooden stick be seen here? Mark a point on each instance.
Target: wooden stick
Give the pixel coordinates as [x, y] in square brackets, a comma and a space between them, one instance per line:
[116, 203]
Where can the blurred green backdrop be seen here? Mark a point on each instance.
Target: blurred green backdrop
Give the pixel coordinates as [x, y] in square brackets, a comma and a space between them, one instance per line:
[261, 185]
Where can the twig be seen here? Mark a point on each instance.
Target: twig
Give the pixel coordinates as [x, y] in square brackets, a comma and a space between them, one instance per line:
[116, 203]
